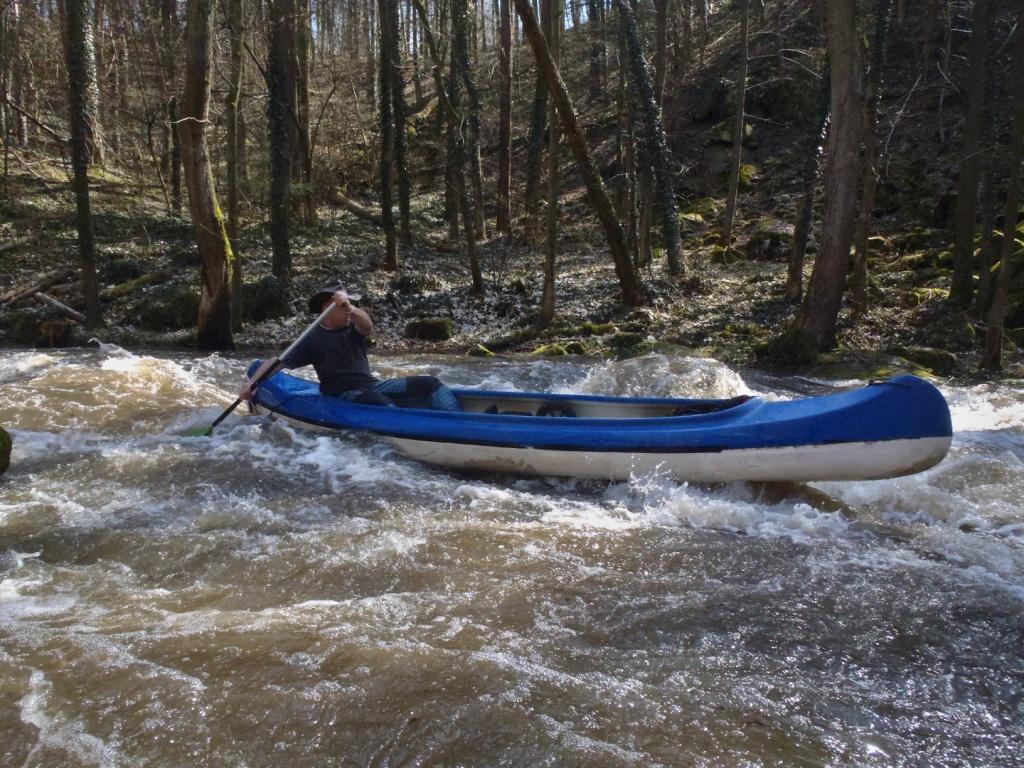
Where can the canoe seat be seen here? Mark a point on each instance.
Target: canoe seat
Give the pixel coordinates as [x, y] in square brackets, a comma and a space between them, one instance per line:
[556, 409]
[709, 406]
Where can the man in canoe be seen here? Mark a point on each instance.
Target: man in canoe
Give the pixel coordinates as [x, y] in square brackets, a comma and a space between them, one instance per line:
[336, 349]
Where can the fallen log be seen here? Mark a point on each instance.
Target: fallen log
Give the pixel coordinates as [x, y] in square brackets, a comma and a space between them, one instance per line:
[75, 315]
[42, 282]
[123, 289]
[360, 210]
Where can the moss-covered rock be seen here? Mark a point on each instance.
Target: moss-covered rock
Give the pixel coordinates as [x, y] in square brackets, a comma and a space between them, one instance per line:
[430, 329]
[263, 300]
[21, 325]
[596, 329]
[705, 207]
[5, 450]
[748, 175]
[170, 309]
[936, 360]
[121, 271]
[479, 351]
[414, 284]
[550, 350]
[770, 241]
[713, 100]
[56, 333]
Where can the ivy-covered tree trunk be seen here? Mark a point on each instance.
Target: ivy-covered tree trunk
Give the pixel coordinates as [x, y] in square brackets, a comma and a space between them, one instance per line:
[629, 281]
[655, 139]
[281, 125]
[214, 326]
[81, 66]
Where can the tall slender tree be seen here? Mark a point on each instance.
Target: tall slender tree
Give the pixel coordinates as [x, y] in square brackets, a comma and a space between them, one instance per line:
[625, 271]
[281, 124]
[214, 325]
[872, 86]
[814, 328]
[739, 118]
[657, 145]
[232, 103]
[504, 196]
[81, 65]
[553, 33]
[387, 134]
[995, 333]
[962, 287]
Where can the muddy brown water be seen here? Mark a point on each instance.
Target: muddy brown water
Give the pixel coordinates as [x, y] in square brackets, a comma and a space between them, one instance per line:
[269, 597]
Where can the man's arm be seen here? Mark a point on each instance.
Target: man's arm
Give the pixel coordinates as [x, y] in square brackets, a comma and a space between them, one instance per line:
[267, 369]
[356, 316]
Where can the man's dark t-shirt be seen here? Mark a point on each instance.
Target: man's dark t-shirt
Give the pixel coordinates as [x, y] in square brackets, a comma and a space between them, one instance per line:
[339, 357]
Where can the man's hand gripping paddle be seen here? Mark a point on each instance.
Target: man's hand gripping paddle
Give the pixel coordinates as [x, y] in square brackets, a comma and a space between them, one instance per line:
[267, 370]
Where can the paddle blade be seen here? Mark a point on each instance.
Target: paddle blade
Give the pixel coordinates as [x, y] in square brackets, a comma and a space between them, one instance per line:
[206, 431]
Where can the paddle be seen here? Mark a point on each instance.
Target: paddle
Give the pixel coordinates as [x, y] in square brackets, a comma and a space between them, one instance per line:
[267, 372]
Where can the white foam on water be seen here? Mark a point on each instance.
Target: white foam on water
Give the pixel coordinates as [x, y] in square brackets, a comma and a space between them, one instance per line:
[658, 500]
[20, 364]
[658, 375]
[58, 731]
[985, 407]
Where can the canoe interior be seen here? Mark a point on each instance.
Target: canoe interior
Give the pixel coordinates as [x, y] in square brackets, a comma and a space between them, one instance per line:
[587, 406]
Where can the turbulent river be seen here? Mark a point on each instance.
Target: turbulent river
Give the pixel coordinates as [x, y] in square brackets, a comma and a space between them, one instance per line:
[272, 597]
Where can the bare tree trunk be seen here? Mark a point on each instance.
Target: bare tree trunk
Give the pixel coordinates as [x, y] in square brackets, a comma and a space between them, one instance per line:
[302, 159]
[214, 331]
[172, 151]
[504, 196]
[387, 133]
[81, 66]
[596, 35]
[460, 67]
[962, 286]
[535, 142]
[658, 146]
[629, 282]
[815, 326]
[737, 128]
[397, 88]
[553, 28]
[992, 357]
[235, 21]
[873, 84]
[281, 124]
[809, 180]
[661, 48]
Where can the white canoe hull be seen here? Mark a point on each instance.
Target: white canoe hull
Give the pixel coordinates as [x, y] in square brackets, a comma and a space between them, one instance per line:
[836, 461]
[843, 461]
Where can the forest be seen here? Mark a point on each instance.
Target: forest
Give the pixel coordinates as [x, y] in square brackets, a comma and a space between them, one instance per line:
[773, 182]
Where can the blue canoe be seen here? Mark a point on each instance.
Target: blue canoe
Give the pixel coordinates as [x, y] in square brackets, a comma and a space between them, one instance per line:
[885, 429]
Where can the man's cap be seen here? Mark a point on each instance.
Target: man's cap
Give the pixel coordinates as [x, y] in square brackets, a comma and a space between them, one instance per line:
[316, 301]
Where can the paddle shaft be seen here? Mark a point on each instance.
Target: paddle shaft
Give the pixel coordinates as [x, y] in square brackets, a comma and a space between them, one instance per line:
[270, 370]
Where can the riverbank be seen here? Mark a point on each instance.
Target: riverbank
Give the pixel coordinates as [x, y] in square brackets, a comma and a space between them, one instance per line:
[729, 305]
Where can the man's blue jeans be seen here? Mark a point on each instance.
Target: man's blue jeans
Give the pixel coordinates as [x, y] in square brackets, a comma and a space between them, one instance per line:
[407, 392]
